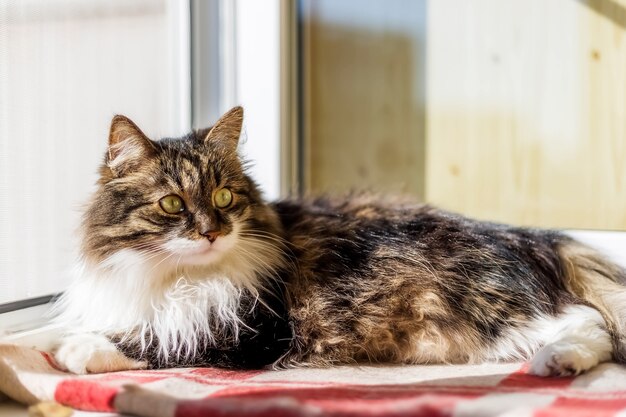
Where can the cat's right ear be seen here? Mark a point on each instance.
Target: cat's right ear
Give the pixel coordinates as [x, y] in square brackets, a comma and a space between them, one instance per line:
[129, 147]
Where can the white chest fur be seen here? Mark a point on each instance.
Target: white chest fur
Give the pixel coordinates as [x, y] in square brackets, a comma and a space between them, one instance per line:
[146, 302]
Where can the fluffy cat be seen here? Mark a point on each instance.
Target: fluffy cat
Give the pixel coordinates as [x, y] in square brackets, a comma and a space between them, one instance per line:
[184, 263]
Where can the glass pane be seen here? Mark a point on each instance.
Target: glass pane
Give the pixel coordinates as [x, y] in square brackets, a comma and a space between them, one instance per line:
[485, 107]
[66, 67]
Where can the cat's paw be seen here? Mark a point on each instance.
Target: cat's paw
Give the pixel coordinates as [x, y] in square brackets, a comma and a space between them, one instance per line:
[564, 358]
[91, 353]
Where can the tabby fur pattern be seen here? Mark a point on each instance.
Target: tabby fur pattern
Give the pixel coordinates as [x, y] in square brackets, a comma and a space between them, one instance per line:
[317, 281]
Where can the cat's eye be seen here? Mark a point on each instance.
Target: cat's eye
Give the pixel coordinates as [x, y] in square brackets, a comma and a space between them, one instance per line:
[172, 204]
[223, 197]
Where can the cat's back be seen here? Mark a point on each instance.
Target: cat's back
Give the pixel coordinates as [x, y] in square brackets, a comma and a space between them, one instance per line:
[358, 214]
[371, 219]
[351, 235]
[369, 236]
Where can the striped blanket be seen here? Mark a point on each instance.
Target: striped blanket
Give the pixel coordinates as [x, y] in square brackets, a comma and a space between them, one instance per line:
[30, 376]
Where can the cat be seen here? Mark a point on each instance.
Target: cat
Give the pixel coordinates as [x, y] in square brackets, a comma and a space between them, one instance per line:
[184, 264]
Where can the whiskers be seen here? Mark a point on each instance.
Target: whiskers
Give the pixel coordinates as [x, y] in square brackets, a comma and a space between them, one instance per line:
[275, 247]
[268, 254]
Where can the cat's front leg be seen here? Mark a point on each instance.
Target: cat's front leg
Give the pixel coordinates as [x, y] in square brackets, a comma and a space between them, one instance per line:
[91, 353]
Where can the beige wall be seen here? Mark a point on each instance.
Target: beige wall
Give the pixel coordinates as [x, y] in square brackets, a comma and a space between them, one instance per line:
[363, 89]
[508, 110]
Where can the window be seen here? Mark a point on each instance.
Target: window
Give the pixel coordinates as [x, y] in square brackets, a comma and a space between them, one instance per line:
[66, 67]
[509, 111]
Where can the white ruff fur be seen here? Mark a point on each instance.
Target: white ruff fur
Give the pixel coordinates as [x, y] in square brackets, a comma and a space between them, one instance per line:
[570, 343]
[183, 304]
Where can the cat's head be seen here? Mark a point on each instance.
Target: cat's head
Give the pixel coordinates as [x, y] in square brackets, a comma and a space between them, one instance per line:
[181, 202]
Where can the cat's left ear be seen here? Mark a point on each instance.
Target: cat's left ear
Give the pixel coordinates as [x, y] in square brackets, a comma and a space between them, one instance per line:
[227, 129]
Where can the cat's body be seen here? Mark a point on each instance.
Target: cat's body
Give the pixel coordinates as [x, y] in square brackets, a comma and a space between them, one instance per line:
[385, 281]
[317, 282]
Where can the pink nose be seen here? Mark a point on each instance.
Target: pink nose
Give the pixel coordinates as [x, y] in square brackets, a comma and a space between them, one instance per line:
[211, 235]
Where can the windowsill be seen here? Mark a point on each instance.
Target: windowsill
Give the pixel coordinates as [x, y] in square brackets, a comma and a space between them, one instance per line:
[28, 327]
[611, 243]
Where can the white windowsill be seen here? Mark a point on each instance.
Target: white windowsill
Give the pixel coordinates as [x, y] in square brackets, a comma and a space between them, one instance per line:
[28, 327]
[612, 244]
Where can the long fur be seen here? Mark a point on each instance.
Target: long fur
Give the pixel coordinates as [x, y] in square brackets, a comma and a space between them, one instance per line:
[411, 283]
[321, 281]
[600, 283]
[141, 300]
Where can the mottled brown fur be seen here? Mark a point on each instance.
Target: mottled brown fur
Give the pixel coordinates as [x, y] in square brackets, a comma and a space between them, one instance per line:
[410, 283]
[594, 279]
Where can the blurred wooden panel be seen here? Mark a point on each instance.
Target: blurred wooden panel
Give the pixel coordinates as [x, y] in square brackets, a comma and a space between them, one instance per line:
[526, 119]
[508, 110]
[363, 95]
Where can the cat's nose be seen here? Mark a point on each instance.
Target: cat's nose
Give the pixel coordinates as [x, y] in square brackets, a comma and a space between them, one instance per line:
[211, 234]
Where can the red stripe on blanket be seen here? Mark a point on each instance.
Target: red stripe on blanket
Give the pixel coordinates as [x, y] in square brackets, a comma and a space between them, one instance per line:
[85, 395]
[582, 407]
[333, 402]
[522, 379]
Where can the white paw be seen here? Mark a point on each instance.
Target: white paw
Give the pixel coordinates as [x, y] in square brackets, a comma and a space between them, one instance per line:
[564, 358]
[91, 353]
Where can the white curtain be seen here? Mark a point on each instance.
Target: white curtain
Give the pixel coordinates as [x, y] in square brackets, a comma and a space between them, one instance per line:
[66, 67]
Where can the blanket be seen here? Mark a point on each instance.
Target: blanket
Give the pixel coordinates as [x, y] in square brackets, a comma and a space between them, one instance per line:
[504, 389]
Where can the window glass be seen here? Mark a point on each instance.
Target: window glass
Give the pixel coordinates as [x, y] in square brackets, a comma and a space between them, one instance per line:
[66, 67]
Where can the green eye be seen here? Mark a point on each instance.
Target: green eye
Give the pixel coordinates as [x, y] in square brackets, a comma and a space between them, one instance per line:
[172, 204]
[223, 197]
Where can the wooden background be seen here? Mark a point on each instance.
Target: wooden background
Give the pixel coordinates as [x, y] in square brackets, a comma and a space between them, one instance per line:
[507, 110]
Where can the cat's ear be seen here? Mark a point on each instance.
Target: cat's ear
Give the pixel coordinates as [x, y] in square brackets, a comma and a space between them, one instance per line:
[227, 129]
[128, 146]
